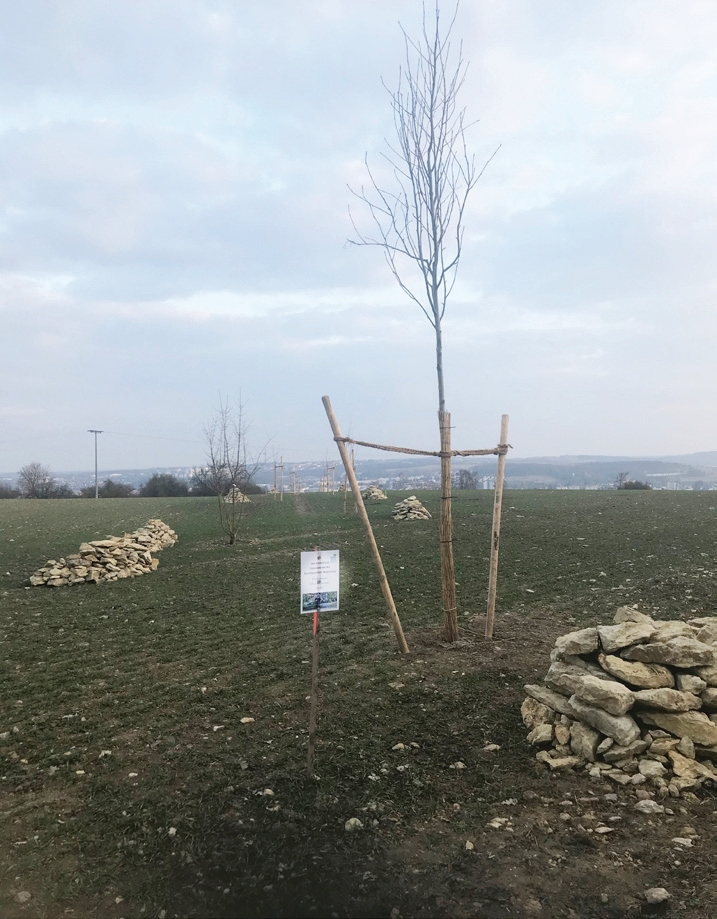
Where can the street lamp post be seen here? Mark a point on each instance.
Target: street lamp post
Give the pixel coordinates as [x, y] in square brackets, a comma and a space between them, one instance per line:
[97, 487]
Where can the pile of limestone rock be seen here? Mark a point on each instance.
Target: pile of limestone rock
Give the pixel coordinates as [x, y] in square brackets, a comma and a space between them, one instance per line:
[634, 702]
[236, 496]
[410, 509]
[373, 493]
[108, 559]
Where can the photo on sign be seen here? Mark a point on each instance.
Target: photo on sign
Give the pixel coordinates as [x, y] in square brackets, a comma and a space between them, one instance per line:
[325, 601]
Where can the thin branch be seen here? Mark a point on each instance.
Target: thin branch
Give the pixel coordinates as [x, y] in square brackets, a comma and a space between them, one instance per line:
[420, 219]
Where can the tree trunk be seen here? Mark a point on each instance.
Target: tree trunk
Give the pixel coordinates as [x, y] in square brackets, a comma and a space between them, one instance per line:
[439, 361]
[448, 576]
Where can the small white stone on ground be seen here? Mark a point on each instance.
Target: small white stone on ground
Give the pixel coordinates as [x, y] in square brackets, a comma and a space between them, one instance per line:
[656, 895]
[648, 806]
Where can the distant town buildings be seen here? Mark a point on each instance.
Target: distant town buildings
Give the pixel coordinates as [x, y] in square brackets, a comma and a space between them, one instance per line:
[413, 474]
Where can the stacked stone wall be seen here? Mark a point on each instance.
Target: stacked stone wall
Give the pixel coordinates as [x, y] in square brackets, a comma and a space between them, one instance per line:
[634, 702]
[109, 559]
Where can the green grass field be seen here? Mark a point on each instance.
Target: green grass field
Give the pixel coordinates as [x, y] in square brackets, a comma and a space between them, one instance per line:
[129, 784]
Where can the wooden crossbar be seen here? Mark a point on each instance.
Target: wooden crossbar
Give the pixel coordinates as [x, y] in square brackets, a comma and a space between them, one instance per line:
[500, 450]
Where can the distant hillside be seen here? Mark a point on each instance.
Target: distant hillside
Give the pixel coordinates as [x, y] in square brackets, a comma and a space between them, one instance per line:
[392, 470]
[708, 459]
[550, 472]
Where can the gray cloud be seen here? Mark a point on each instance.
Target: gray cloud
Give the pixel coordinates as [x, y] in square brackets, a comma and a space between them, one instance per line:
[173, 217]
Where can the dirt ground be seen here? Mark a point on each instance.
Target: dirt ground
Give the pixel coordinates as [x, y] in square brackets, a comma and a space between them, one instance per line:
[516, 842]
[565, 845]
[558, 846]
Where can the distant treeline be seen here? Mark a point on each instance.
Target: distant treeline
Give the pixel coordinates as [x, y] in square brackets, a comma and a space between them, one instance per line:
[36, 481]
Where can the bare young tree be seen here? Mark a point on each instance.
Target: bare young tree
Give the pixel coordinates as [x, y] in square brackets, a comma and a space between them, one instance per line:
[418, 221]
[620, 479]
[228, 471]
[36, 481]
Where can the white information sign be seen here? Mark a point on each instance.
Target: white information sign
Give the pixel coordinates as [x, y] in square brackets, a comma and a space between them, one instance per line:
[320, 581]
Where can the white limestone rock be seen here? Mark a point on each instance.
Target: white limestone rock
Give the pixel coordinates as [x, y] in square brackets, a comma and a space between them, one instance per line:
[686, 747]
[650, 807]
[624, 634]
[708, 674]
[623, 729]
[651, 769]
[684, 767]
[541, 734]
[661, 746]
[687, 682]
[695, 725]
[555, 700]
[668, 700]
[615, 698]
[630, 614]
[655, 895]
[673, 628]
[563, 677]
[619, 752]
[708, 633]
[557, 763]
[535, 713]
[605, 744]
[584, 741]
[644, 676]
[676, 652]
[562, 734]
[583, 641]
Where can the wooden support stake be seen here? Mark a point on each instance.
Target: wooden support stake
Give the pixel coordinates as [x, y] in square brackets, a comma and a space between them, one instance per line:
[361, 510]
[314, 696]
[448, 574]
[495, 541]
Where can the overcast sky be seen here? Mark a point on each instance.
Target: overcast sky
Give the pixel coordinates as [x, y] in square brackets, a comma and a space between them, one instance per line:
[174, 216]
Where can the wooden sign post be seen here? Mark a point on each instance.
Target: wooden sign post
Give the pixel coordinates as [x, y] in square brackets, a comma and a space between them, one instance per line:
[319, 591]
[314, 696]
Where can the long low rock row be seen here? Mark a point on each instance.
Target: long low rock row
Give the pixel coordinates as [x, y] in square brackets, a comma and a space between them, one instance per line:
[108, 559]
[410, 509]
[634, 702]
